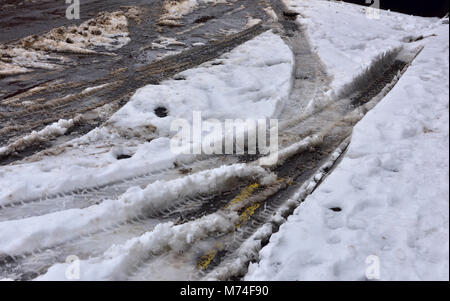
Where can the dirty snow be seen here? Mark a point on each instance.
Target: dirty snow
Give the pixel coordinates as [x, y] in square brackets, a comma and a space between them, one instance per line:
[53, 130]
[19, 60]
[109, 30]
[389, 195]
[10, 69]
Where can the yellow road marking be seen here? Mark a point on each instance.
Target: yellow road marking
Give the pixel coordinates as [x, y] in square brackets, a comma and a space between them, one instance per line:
[206, 260]
[209, 256]
[248, 212]
[243, 195]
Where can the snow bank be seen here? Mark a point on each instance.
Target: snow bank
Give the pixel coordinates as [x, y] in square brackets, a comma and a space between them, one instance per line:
[389, 195]
[26, 235]
[347, 41]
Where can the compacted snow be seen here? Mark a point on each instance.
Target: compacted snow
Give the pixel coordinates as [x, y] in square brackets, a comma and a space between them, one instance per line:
[383, 213]
[239, 85]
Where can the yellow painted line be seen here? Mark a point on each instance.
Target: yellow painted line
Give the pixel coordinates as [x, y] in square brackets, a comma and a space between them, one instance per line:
[209, 256]
[243, 195]
[247, 213]
[206, 260]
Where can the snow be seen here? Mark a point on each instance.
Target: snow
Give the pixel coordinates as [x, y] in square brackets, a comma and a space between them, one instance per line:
[164, 42]
[347, 41]
[175, 10]
[252, 22]
[108, 30]
[237, 263]
[392, 186]
[243, 86]
[94, 89]
[20, 60]
[27, 235]
[387, 198]
[271, 13]
[10, 69]
[53, 130]
[115, 263]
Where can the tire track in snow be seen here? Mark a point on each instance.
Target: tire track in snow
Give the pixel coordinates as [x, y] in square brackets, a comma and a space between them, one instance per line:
[301, 168]
[304, 169]
[139, 211]
[298, 167]
[85, 197]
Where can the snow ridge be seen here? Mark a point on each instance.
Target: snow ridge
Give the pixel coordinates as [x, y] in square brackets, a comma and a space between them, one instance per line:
[26, 235]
